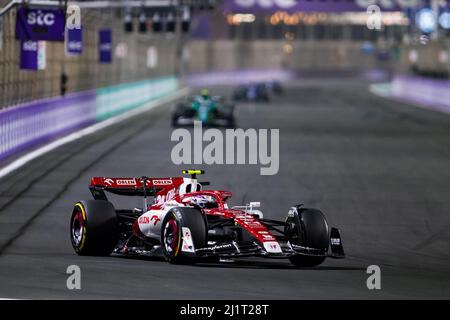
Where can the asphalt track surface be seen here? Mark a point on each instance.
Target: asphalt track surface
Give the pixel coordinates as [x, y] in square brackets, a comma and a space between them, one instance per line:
[378, 169]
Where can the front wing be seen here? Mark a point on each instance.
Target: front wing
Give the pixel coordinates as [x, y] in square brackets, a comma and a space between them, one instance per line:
[189, 121]
[253, 249]
[234, 249]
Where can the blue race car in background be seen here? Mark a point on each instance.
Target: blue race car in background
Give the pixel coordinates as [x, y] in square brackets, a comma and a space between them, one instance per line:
[258, 92]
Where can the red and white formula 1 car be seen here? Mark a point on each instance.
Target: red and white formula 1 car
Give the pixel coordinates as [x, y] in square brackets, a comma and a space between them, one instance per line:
[186, 224]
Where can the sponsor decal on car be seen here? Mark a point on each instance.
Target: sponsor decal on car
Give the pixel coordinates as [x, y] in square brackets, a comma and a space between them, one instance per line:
[335, 241]
[222, 246]
[162, 199]
[253, 224]
[188, 245]
[144, 220]
[109, 182]
[217, 247]
[162, 182]
[272, 247]
[126, 182]
[155, 218]
[268, 237]
[245, 216]
[292, 212]
[147, 220]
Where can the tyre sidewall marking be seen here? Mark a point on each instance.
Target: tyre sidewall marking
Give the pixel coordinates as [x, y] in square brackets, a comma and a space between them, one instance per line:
[178, 224]
[83, 236]
[179, 236]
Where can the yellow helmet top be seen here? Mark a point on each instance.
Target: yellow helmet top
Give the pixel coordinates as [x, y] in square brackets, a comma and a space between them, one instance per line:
[204, 92]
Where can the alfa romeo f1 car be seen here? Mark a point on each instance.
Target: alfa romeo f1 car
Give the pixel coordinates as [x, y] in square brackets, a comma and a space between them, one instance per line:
[211, 111]
[186, 224]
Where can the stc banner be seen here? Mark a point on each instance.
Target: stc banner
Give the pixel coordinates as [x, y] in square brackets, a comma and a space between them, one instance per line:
[40, 24]
[32, 55]
[105, 46]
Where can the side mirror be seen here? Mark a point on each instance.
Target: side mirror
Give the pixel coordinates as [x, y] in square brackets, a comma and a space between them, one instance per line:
[254, 205]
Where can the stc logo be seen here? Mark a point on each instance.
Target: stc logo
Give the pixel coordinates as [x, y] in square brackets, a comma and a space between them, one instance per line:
[105, 47]
[30, 46]
[75, 45]
[41, 19]
[266, 3]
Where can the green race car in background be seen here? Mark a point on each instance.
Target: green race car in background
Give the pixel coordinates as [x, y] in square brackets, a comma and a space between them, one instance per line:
[211, 111]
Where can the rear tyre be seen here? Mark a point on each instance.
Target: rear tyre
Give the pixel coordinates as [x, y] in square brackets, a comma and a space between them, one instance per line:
[310, 229]
[93, 228]
[172, 234]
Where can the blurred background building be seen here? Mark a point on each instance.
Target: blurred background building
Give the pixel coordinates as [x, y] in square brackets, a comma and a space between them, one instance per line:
[325, 35]
[396, 36]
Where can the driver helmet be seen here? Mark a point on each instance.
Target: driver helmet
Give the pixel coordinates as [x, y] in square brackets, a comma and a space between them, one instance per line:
[204, 93]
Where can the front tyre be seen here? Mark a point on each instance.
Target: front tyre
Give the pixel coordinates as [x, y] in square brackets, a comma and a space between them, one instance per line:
[306, 261]
[309, 229]
[183, 230]
[93, 228]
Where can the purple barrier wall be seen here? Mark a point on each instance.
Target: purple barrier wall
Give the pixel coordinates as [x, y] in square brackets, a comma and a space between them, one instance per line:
[430, 93]
[33, 123]
[36, 122]
[427, 93]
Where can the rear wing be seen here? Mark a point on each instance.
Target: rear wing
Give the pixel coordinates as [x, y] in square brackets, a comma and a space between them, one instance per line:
[131, 186]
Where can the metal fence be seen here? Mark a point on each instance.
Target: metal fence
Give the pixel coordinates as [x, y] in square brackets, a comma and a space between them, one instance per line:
[83, 72]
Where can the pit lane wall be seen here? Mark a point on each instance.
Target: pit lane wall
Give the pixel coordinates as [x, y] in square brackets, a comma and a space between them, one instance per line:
[31, 124]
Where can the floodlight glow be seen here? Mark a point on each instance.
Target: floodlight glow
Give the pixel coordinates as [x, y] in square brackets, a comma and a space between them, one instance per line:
[444, 20]
[425, 20]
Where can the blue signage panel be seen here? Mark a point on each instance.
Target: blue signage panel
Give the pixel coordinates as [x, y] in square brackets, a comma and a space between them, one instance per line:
[74, 41]
[32, 55]
[105, 46]
[40, 24]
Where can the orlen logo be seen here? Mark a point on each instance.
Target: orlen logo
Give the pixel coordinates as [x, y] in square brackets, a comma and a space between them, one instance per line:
[147, 220]
[41, 19]
[162, 182]
[126, 182]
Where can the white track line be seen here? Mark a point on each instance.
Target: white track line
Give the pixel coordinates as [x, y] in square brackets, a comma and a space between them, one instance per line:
[16, 164]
